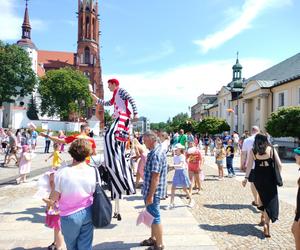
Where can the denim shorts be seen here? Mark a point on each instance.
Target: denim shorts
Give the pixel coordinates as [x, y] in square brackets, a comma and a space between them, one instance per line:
[153, 209]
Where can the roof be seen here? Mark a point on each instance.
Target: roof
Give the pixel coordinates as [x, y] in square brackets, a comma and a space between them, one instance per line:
[55, 59]
[281, 71]
[265, 84]
[26, 42]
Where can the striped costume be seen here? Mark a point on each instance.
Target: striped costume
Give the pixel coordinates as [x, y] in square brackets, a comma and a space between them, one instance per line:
[114, 147]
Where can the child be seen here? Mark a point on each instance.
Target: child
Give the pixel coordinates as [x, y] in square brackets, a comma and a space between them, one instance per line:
[52, 210]
[220, 155]
[24, 164]
[52, 216]
[211, 146]
[195, 161]
[56, 158]
[180, 178]
[229, 158]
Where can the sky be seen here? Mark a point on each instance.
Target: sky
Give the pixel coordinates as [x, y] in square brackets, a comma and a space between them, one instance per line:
[167, 53]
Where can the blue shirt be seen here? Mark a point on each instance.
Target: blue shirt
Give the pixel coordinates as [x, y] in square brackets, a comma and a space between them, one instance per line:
[156, 163]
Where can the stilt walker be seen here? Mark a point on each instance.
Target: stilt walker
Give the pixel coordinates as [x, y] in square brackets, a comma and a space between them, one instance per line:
[114, 143]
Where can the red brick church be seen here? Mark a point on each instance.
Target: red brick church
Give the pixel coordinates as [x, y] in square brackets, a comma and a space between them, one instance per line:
[86, 58]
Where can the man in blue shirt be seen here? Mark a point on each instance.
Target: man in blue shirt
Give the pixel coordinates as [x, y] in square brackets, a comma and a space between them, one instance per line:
[154, 188]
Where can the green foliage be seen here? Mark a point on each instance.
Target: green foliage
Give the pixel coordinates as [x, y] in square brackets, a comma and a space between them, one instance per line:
[284, 123]
[16, 75]
[108, 119]
[59, 90]
[212, 125]
[32, 112]
[160, 126]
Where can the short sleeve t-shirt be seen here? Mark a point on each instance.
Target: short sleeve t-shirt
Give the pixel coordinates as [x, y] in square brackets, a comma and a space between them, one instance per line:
[247, 146]
[229, 152]
[193, 157]
[76, 187]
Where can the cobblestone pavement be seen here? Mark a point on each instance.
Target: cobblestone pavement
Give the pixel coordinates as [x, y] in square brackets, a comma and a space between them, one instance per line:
[223, 209]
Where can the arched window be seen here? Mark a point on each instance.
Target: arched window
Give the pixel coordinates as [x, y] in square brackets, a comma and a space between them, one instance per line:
[87, 74]
[87, 55]
[94, 29]
[87, 27]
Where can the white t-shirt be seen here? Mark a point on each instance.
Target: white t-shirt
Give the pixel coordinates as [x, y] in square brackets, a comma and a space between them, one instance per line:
[165, 145]
[177, 159]
[76, 187]
[248, 146]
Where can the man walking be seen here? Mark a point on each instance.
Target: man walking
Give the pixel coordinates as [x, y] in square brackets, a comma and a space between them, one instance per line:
[246, 150]
[154, 188]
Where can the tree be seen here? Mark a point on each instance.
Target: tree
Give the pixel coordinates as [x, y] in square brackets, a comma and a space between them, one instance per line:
[16, 75]
[284, 123]
[62, 93]
[108, 119]
[188, 126]
[32, 112]
[212, 125]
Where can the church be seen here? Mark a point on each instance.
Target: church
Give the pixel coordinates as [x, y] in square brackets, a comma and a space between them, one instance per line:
[86, 59]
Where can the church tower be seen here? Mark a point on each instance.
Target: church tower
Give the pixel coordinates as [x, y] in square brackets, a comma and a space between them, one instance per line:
[88, 51]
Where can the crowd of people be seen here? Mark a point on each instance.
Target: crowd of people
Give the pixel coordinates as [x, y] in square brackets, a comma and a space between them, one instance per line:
[71, 187]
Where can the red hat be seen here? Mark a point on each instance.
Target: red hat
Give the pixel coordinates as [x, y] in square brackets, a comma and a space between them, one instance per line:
[114, 81]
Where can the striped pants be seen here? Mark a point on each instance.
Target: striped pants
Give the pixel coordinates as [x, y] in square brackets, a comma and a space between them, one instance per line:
[119, 169]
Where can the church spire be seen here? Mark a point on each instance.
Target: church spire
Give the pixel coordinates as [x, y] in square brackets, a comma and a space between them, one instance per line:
[26, 28]
[237, 69]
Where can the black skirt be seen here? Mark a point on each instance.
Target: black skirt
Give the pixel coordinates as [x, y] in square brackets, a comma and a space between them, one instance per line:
[266, 187]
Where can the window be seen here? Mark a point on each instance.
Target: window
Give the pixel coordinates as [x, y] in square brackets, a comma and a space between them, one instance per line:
[243, 108]
[87, 55]
[258, 104]
[280, 99]
[87, 74]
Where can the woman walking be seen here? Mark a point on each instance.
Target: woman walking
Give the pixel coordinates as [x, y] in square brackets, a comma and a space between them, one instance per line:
[263, 155]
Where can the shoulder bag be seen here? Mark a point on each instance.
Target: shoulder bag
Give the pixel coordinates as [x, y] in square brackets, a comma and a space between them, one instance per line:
[277, 174]
[101, 208]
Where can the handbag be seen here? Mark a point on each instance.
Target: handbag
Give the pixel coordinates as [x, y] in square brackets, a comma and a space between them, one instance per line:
[101, 208]
[277, 174]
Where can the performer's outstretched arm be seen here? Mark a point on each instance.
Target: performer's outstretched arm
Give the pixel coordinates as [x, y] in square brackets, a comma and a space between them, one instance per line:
[100, 101]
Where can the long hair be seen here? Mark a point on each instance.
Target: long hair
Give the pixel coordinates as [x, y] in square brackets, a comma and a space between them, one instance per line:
[261, 143]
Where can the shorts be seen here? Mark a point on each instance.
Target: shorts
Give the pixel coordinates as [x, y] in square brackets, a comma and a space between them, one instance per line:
[33, 142]
[220, 162]
[153, 209]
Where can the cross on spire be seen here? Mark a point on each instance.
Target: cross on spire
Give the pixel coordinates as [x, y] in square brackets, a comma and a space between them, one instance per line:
[26, 3]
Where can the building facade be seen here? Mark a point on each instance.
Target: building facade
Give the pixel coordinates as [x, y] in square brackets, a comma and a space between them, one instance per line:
[245, 103]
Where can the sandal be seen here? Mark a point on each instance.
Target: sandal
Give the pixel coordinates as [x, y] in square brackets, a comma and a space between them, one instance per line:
[52, 246]
[148, 242]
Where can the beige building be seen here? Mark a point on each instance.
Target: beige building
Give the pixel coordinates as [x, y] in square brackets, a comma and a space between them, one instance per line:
[200, 109]
[244, 103]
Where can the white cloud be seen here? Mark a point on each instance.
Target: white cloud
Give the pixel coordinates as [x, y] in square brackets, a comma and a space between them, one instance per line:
[249, 11]
[166, 50]
[160, 95]
[10, 22]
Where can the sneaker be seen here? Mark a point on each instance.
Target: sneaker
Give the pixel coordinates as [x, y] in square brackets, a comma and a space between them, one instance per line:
[191, 203]
[171, 206]
[230, 175]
